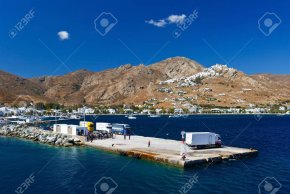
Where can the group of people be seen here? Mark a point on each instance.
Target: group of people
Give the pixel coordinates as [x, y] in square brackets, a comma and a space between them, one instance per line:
[92, 136]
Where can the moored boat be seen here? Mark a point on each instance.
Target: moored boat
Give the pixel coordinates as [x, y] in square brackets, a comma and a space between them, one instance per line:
[154, 116]
[132, 117]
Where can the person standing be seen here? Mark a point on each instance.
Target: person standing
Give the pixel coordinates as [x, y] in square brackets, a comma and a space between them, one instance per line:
[92, 137]
[125, 133]
[129, 134]
[183, 136]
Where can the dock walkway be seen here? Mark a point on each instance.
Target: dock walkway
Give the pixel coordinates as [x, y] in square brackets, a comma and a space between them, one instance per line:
[168, 151]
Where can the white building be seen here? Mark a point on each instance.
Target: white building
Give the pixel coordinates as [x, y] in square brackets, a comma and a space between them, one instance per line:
[233, 110]
[7, 110]
[216, 110]
[86, 110]
[145, 111]
[158, 110]
[255, 110]
[111, 111]
[282, 108]
[178, 111]
[128, 110]
[4, 110]
[194, 109]
[70, 129]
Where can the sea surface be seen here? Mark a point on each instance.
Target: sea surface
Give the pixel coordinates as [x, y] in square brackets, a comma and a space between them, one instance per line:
[28, 167]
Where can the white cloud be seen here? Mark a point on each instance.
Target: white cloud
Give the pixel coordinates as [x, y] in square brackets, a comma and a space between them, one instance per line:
[176, 19]
[63, 35]
[172, 19]
[159, 23]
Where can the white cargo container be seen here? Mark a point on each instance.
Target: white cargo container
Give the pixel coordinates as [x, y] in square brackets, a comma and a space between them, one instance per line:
[203, 139]
[104, 127]
[70, 129]
[60, 128]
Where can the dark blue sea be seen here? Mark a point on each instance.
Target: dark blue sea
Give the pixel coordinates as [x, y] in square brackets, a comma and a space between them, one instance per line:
[28, 167]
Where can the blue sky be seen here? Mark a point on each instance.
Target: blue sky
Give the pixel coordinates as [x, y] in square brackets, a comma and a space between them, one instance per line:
[224, 32]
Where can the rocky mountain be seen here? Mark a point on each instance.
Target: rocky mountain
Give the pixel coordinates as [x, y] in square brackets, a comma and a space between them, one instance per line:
[174, 82]
[15, 89]
[220, 85]
[177, 67]
[118, 85]
[63, 89]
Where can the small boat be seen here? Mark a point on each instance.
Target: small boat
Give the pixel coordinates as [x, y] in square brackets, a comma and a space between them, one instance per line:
[75, 117]
[175, 116]
[132, 117]
[16, 119]
[281, 114]
[178, 116]
[31, 119]
[154, 116]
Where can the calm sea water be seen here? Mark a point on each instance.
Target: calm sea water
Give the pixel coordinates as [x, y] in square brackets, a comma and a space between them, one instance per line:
[77, 170]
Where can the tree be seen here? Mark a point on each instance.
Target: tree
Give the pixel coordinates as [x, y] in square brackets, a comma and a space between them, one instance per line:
[198, 80]
[152, 110]
[171, 110]
[40, 106]
[185, 110]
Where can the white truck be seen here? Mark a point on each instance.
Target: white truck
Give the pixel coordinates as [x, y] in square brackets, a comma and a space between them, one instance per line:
[203, 140]
[104, 127]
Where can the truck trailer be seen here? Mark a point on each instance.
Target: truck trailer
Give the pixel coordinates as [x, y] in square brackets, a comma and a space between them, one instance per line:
[107, 127]
[203, 140]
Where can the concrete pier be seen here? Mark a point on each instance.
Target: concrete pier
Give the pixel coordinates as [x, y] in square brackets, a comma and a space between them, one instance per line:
[168, 151]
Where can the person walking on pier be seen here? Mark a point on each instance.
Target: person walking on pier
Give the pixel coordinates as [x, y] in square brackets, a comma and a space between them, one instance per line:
[129, 133]
[149, 143]
[183, 136]
[183, 156]
[125, 134]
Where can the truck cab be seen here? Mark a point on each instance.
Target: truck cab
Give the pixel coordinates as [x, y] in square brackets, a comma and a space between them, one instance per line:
[120, 128]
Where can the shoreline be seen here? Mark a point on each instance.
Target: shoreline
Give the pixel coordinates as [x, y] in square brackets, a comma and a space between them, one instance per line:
[36, 134]
[252, 114]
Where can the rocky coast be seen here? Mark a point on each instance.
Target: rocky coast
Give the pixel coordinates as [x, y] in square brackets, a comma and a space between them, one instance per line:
[39, 135]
